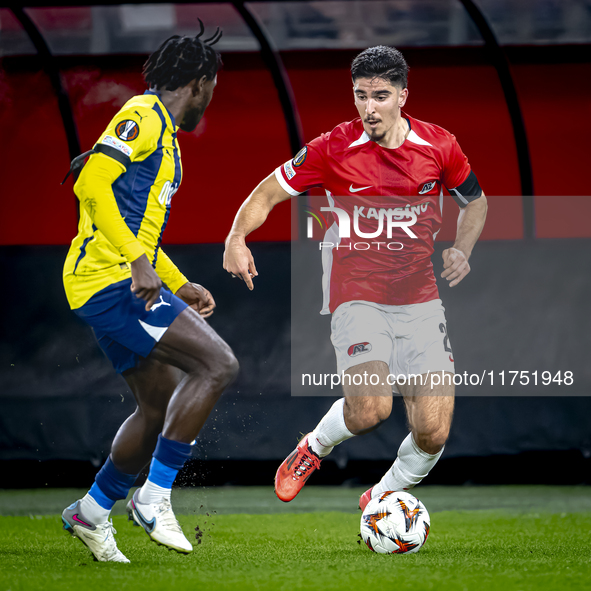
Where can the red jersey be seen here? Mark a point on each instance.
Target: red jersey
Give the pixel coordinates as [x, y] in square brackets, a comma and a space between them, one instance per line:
[372, 184]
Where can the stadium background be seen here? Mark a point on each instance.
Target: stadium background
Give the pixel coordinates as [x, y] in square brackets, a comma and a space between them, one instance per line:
[524, 307]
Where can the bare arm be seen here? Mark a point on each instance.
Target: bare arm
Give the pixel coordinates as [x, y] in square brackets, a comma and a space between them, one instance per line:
[238, 259]
[470, 224]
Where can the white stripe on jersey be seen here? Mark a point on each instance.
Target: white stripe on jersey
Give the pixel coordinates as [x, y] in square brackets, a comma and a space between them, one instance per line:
[415, 139]
[363, 139]
[460, 196]
[283, 184]
[332, 235]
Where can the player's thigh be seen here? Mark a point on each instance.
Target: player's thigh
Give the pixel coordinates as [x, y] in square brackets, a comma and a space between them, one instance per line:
[363, 344]
[422, 344]
[425, 350]
[361, 335]
[367, 393]
[192, 345]
[153, 384]
[125, 330]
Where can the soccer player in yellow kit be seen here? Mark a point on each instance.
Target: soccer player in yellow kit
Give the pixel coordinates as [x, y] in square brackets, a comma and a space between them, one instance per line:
[147, 317]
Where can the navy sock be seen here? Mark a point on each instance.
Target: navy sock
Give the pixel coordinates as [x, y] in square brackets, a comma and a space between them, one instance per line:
[168, 458]
[110, 485]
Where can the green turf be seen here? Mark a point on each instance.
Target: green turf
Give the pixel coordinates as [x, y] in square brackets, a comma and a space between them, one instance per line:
[526, 538]
[261, 499]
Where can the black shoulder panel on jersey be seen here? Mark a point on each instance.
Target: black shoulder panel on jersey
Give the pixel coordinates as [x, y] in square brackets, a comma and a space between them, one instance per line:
[468, 191]
[78, 163]
[114, 153]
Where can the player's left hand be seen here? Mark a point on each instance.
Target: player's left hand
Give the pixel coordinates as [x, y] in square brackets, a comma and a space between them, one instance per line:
[197, 297]
[455, 265]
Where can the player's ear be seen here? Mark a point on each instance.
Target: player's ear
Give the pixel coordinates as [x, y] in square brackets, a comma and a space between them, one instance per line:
[199, 85]
[402, 98]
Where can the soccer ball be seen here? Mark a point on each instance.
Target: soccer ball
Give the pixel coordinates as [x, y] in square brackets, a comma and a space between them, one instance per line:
[395, 523]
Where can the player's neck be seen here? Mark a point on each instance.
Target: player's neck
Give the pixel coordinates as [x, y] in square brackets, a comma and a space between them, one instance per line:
[396, 135]
[175, 101]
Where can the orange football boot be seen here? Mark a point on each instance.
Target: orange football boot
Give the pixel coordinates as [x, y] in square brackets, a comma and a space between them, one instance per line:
[295, 471]
[364, 499]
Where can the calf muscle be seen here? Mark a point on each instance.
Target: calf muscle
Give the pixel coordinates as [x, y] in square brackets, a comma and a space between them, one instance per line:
[429, 412]
[367, 406]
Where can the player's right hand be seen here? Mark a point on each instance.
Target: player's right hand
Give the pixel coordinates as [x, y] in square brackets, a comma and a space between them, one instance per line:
[238, 261]
[144, 281]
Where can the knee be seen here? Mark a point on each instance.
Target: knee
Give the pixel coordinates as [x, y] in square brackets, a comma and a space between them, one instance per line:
[225, 367]
[432, 441]
[152, 418]
[361, 419]
[231, 367]
[378, 415]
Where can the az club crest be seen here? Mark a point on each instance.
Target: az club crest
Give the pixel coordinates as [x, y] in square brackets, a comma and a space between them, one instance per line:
[427, 187]
[359, 349]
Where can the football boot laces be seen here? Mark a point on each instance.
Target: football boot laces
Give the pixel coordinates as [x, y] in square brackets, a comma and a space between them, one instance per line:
[111, 551]
[167, 518]
[307, 463]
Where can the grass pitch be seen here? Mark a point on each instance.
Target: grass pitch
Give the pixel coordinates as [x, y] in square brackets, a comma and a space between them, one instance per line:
[481, 538]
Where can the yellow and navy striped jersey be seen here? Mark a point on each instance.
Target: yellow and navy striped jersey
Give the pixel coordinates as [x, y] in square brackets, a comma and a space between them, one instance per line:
[125, 200]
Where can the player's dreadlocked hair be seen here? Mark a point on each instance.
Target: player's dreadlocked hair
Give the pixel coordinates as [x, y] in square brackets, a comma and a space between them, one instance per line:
[182, 59]
[381, 62]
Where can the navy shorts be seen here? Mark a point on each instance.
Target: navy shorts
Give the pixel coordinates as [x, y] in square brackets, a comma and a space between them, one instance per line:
[124, 328]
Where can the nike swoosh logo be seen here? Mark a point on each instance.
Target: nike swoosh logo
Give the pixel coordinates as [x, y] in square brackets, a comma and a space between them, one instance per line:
[353, 190]
[147, 525]
[76, 518]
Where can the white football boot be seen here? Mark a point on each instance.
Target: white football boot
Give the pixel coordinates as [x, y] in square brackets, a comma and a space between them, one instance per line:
[159, 522]
[99, 538]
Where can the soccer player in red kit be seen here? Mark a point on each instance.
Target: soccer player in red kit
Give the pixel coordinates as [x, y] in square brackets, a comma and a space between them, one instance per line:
[385, 170]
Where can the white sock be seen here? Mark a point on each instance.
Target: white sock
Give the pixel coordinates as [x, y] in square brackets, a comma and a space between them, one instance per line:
[330, 431]
[152, 493]
[93, 511]
[410, 467]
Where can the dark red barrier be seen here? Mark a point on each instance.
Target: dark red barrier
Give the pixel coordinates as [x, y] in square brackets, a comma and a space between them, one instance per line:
[33, 153]
[557, 112]
[243, 137]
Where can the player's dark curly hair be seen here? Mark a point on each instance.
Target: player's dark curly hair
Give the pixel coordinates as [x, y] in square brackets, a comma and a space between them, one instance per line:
[182, 59]
[381, 62]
